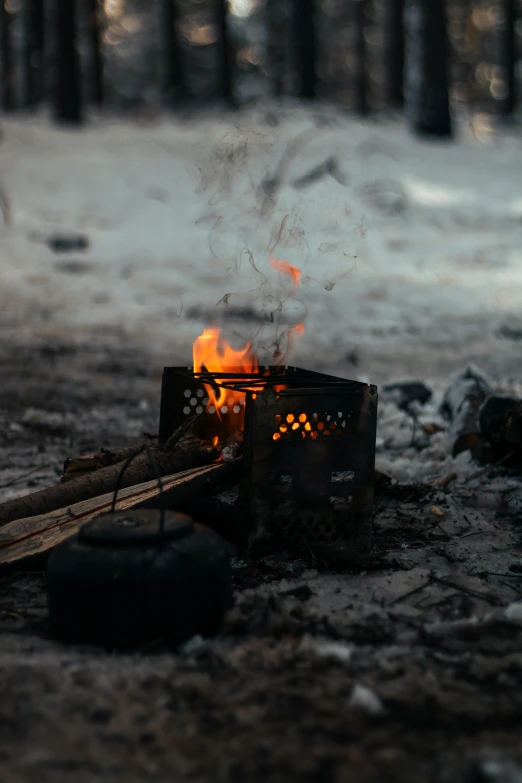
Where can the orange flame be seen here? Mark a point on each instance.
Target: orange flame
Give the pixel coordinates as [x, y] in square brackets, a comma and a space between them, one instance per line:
[212, 353]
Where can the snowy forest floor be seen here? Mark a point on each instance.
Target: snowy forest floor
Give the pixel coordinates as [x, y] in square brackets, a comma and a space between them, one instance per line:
[410, 669]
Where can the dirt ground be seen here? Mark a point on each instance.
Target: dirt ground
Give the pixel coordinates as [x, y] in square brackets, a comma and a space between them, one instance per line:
[409, 670]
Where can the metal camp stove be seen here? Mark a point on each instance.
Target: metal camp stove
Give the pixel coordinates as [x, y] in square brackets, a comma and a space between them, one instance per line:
[309, 452]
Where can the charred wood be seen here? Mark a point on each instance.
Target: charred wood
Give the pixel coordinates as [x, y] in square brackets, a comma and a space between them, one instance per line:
[461, 405]
[500, 421]
[233, 447]
[406, 392]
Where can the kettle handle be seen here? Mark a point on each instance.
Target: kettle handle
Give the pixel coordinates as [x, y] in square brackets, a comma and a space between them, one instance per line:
[157, 475]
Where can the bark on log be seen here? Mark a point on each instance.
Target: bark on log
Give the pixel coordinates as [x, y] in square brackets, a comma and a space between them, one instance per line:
[33, 536]
[79, 466]
[189, 452]
[465, 394]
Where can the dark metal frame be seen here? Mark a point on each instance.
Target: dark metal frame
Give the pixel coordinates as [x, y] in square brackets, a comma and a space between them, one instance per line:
[309, 453]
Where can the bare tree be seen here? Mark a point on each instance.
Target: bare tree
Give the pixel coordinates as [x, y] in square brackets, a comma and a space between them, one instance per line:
[508, 48]
[173, 84]
[427, 71]
[394, 53]
[226, 52]
[33, 51]
[305, 47]
[67, 99]
[276, 21]
[6, 59]
[361, 73]
[96, 71]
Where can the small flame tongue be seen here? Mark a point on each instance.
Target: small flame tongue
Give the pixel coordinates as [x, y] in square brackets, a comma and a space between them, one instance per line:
[287, 269]
[213, 353]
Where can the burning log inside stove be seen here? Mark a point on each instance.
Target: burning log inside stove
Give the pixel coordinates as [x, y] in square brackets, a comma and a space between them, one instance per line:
[309, 451]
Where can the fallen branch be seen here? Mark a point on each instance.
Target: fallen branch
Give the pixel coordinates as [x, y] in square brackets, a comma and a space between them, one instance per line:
[181, 452]
[28, 537]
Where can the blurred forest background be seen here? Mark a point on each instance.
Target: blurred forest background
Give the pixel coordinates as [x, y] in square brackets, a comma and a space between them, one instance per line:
[141, 55]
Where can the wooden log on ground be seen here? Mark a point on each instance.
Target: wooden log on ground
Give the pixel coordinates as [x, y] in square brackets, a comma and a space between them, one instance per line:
[34, 536]
[188, 452]
[74, 467]
[461, 404]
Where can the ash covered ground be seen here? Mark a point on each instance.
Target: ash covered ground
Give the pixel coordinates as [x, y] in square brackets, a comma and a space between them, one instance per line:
[410, 669]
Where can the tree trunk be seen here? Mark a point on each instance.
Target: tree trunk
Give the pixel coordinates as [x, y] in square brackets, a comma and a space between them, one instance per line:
[394, 53]
[427, 71]
[305, 48]
[7, 60]
[276, 21]
[95, 80]
[361, 74]
[226, 55]
[173, 84]
[33, 49]
[509, 55]
[67, 100]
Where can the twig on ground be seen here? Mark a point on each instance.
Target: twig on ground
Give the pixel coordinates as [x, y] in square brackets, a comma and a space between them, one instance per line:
[493, 600]
[489, 468]
[22, 477]
[412, 592]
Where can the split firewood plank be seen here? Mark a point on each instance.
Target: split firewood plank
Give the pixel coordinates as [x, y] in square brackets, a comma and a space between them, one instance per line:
[26, 538]
[176, 455]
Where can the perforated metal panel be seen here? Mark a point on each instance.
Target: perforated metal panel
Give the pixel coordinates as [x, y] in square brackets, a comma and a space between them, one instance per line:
[309, 453]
